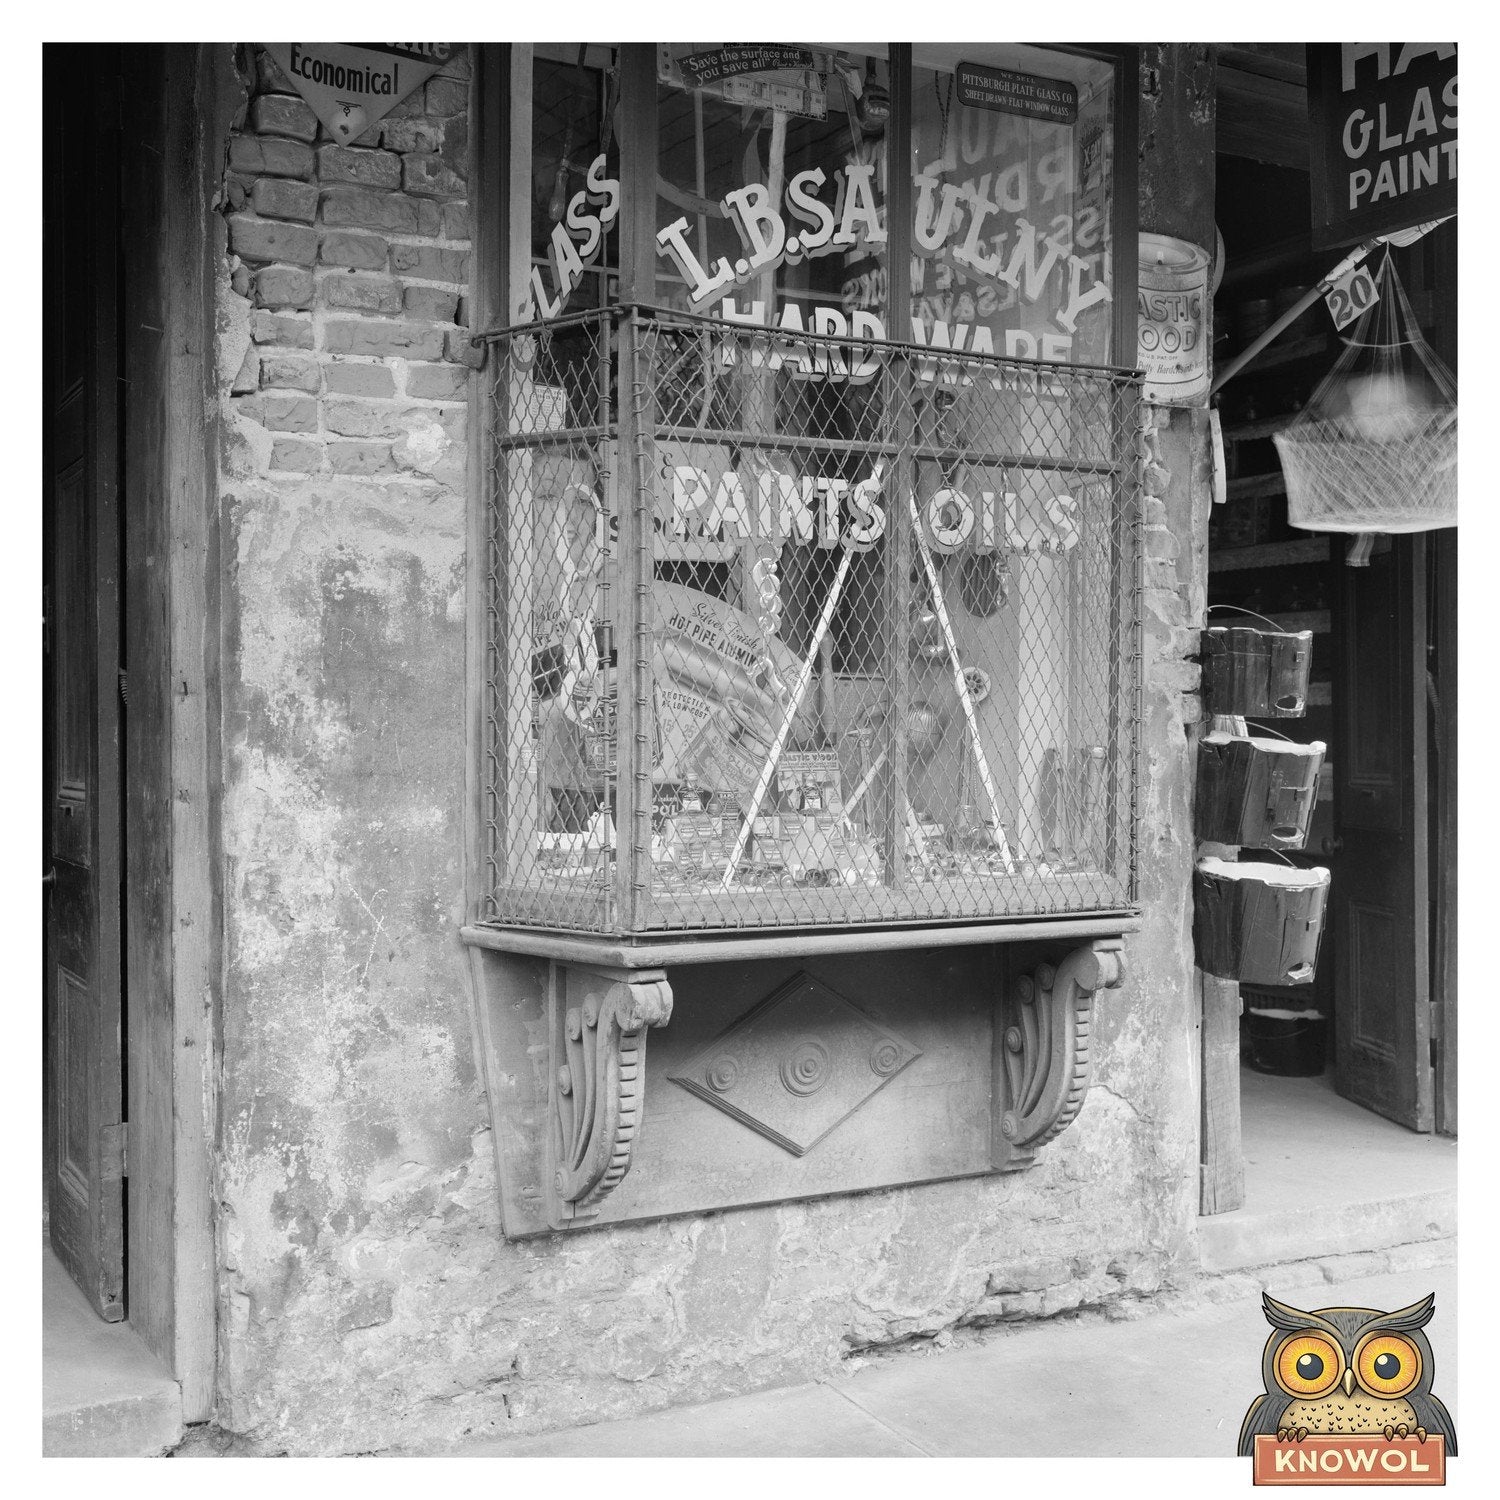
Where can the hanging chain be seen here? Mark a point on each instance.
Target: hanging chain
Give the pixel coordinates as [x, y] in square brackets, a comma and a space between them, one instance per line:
[945, 105]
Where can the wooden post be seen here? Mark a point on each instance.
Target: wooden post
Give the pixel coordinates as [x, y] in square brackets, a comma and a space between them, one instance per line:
[1221, 1154]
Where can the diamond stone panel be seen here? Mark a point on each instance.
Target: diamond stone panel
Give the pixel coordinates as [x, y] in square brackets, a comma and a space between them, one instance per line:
[797, 1065]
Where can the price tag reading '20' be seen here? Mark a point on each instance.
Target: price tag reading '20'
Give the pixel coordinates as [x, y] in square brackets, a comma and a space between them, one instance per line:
[1350, 295]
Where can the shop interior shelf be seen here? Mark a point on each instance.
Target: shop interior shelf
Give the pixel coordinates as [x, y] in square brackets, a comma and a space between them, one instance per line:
[1311, 549]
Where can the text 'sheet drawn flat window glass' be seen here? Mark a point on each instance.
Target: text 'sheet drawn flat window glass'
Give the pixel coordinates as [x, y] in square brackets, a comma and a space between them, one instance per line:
[872, 658]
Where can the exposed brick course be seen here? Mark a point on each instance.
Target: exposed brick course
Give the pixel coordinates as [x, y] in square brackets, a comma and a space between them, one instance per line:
[344, 378]
[290, 372]
[352, 457]
[413, 107]
[411, 135]
[429, 176]
[431, 302]
[290, 413]
[281, 198]
[296, 453]
[446, 96]
[270, 328]
[360, 208]
[363, 419]
[271, 239]
[270, 156]
[455, 221]
[401, 340]
[354, 260]
[430, 262]
[374, 169]
[357, 252]
[379, 294]
[283, 286]
[455, 147]
[269, 79]
[283, 114]
[457, 347]
[436, 382]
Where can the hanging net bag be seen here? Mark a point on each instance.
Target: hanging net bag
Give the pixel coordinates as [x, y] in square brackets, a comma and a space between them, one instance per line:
[1376, 448]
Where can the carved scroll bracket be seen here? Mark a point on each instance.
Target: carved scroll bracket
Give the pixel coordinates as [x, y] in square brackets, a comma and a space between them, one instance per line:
[1043, 1035]
[597, 1022]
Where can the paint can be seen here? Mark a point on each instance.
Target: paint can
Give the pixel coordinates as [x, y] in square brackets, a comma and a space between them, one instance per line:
[1172, 320]
[1258, 923]
[1259, 674]
[1282, 1038]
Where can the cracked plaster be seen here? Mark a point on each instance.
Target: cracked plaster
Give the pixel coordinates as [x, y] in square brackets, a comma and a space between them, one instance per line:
[369, 1300]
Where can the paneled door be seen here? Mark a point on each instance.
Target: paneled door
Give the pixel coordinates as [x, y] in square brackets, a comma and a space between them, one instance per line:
[84, 1137]
[1382, 994]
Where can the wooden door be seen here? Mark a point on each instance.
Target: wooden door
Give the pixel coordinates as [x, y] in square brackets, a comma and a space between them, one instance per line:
[1382, 1016]
[82, 782]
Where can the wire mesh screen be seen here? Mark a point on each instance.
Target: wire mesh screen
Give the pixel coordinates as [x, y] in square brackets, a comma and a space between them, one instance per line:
[786, 630]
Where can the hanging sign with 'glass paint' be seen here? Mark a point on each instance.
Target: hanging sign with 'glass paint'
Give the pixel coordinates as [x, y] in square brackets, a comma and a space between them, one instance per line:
[351, 85]
[1017, 93]
[1384, 137]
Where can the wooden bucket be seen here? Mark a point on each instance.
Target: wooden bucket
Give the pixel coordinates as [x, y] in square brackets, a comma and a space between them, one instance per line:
[1258, 923]
[1261, 674]
[1256, 792]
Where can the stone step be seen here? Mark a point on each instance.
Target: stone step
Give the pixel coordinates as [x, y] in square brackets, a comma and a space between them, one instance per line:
[1324, 1177]
[104, 1394]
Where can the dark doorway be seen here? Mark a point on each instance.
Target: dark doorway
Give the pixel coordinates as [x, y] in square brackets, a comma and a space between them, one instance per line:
[1384, 640]
[83, 853]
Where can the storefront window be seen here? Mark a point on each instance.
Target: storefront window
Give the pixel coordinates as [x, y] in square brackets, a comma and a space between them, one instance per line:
[574, 245]
[869, 657]
[1012, 150]
[771, 189]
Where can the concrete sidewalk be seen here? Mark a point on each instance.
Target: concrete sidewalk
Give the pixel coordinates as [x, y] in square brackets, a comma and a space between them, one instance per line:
[1173, 1382]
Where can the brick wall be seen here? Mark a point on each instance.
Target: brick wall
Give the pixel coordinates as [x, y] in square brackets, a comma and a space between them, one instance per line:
[354, 263]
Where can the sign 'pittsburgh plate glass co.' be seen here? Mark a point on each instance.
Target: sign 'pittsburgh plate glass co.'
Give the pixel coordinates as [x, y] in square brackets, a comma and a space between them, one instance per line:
[1384, 136]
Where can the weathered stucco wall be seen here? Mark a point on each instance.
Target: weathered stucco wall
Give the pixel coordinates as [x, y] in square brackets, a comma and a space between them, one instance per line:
[368, 1299]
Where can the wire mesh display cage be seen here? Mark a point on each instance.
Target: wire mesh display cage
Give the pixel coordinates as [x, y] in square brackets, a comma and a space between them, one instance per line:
[785, 630]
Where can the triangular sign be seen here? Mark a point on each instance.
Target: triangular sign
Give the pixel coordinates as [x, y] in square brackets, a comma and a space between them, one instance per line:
[351, 85]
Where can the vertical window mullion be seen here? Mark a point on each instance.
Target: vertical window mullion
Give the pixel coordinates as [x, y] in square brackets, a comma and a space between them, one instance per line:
[636, 407]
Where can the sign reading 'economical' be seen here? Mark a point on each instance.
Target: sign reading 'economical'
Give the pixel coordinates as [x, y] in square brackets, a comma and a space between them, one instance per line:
[1384, 136]
[351, 85]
